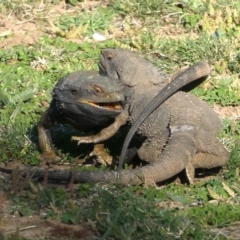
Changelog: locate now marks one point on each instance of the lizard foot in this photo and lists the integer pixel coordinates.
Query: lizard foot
(190, 171)
(102, 156)
(49, 158)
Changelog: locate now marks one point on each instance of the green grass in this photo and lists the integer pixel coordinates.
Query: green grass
(85, 23)
(29, 73)
(136, 212)
(218, 18)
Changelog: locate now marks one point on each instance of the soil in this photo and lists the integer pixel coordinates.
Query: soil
(34, 21)
(230, 112)
(33, 227)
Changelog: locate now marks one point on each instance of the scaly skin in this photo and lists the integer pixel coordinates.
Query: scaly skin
(84, 100)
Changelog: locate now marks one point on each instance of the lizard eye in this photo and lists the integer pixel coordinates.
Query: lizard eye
(109, 57)
(97, 90)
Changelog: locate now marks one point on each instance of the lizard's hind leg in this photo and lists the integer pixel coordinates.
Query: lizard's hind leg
(215, 155)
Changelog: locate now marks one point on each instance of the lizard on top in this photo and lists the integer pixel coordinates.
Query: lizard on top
(180, 134)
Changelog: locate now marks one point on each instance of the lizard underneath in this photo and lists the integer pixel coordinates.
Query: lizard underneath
(86, 101)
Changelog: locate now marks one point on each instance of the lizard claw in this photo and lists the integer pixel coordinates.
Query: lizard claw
(82, 139)
(102, 156)
(75, 138)
(78, 139)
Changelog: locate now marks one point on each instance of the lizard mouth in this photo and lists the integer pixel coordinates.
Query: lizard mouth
(116, 106)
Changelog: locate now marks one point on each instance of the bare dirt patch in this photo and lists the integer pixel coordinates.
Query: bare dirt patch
(34, 21)
(230, 112)
(14, 32)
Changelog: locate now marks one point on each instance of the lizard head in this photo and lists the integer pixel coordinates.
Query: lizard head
(119, 65)
(86, 92)
(128, 68)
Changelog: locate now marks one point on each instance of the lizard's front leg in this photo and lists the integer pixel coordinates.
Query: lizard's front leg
(105, 133)
(102, 156)
(45, 140)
